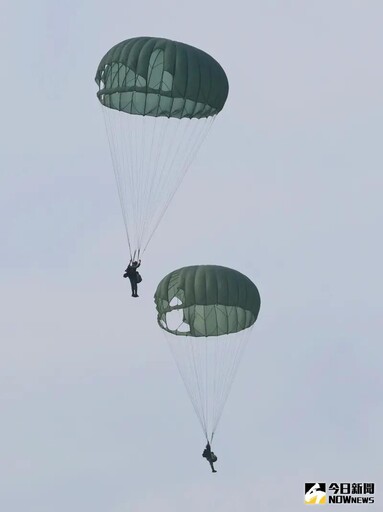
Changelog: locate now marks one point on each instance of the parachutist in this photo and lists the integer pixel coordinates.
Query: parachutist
(210, 457)
(134, 276)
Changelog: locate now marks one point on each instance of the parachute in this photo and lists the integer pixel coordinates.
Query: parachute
(207, 313)
(159, 98)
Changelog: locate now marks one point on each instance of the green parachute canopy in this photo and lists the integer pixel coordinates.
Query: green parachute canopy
(206, 313)
(159, 99)
(214, 301)
(157, 77)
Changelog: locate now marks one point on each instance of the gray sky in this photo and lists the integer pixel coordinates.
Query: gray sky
(93, 413)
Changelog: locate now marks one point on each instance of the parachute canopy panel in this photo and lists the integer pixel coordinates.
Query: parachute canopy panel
(158, 77)
(214, 301)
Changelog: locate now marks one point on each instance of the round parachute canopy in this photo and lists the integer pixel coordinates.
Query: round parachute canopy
(152, 76)
(159, 99)
(214, 300)
(206, 313)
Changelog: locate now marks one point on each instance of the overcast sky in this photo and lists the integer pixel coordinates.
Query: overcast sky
(287, 189)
